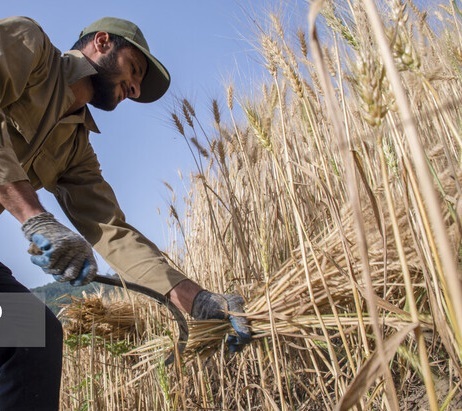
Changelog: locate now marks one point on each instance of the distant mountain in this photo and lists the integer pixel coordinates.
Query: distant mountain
(56, 295)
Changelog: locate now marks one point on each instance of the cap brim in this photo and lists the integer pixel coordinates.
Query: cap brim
(156, 80)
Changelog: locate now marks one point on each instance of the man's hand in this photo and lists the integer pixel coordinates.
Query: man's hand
(62, 253)
(208, 306)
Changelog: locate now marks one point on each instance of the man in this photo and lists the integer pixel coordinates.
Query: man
(44, 142)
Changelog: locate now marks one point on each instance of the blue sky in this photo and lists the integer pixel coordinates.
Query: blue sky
(205, 44)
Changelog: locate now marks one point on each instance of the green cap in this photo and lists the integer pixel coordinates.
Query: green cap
(157, 79)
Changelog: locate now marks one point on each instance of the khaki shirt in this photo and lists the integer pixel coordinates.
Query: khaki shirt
(39, 144)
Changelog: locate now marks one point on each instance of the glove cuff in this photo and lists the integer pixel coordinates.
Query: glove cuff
(207, 305)
(37, 221)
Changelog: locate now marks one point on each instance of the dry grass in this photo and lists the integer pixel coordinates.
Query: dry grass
(332, 203)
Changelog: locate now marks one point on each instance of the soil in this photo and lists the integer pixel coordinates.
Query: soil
(418, 400)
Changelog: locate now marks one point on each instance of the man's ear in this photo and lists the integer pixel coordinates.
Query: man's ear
(102, 42)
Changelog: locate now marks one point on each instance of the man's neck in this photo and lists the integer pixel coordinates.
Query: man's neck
(83, 92)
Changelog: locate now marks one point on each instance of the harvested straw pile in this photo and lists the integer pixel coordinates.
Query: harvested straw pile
(120, 316)
(103, 317)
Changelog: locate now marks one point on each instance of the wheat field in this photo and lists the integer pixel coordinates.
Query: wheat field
(330, 199)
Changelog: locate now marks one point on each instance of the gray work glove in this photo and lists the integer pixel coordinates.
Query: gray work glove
(59, 251)
(207, 306)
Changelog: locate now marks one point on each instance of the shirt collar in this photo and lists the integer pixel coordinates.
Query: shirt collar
(89, 121)
(76, 66)
(82, 116)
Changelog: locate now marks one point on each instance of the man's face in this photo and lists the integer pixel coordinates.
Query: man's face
(119, 77)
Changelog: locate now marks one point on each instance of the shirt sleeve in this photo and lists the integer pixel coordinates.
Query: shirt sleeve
(21, 42)
(91, 205)
(10, 169)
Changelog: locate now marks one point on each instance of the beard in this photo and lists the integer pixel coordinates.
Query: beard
(104, 85)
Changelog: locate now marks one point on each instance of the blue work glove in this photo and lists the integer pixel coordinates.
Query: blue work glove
(207, 306)
(59, 251)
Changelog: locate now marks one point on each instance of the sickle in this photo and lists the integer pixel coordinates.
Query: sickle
(161, 299)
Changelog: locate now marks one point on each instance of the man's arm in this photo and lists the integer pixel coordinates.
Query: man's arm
(21, 41)
(91, 205)
(21, 200)
(184, 294)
